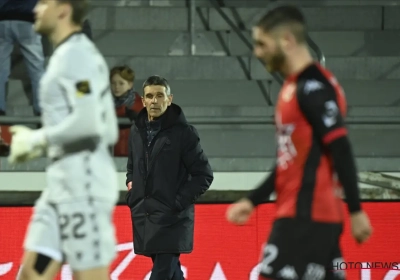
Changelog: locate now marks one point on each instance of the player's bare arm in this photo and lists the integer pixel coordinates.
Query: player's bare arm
(239, 212)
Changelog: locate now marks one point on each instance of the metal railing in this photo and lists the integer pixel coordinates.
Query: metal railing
(192, 15)
(239, 32)
(259, 120)
(277, 77)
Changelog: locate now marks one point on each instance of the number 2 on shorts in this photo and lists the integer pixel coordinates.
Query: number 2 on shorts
(270, 254)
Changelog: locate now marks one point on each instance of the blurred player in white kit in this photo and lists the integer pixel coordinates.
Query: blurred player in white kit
(72, 219)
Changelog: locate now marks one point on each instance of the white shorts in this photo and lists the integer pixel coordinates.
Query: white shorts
(80, 233)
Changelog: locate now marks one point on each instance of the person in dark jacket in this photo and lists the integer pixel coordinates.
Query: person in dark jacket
(167, 171)
(16, 25)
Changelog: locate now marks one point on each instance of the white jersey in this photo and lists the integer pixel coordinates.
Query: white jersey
(79, 121)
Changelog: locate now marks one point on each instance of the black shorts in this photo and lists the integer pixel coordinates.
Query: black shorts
(303, 250)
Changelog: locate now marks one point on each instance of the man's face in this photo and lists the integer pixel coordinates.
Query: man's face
(119, 85)
(268, 48)
(156, 100)
(47, 13)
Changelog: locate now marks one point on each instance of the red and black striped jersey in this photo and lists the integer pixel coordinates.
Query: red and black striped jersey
(309, 115)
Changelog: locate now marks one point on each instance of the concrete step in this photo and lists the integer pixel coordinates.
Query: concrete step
(238, 141)
(351, 68)
(206, 93)
(242, 92)
(239, 3)
(246, 109)
(348, 18)
(231, 68)
(164, 43)
(256, 141)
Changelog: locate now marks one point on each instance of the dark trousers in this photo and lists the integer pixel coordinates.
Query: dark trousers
(166, 267)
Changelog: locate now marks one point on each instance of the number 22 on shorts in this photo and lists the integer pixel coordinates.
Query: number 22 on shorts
(76, 221)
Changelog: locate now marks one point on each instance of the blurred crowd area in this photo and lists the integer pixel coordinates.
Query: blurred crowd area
(16, 31)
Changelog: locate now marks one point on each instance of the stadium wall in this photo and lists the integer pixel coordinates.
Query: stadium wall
(222, 251)
(223, 181)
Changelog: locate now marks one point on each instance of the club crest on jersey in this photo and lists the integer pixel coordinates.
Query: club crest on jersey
(288, 92)
(312, 85)
(286, 148)
(83, 88)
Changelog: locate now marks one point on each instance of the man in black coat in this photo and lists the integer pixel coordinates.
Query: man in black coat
(167, 171)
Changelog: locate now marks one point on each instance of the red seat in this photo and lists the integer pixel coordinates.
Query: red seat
(121, 148)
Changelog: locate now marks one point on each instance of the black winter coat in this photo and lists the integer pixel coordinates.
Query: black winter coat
(167, 177)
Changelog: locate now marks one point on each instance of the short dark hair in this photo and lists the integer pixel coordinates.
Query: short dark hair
(80, 9)
(289, 16)
(124, 71)
(157, 81)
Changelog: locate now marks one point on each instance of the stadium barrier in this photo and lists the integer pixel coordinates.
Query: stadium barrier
(221, 251)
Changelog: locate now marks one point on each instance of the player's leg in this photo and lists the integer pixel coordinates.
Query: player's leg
(32, 50)
(89, 238)
(42, 258)
(297, 249)
(98, 273)
(322, 249)
(333, 271)
(38, 266)
(6, 48)
(335, 274)
(277, 257)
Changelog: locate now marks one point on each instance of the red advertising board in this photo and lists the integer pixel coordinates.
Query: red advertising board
(222, 251)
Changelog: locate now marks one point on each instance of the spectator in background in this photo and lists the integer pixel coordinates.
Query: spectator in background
(127, 103)
(16, 26)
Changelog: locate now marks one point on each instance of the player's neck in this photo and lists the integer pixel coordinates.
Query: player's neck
(59, 35)
(299, 60)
